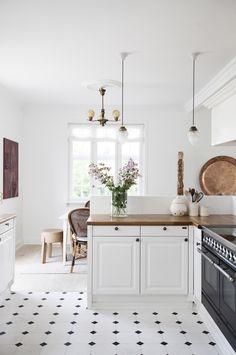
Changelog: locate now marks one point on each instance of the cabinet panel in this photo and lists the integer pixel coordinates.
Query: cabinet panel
(164, 265)
(116, 265)
(161, 231)
(6, 226)
(197, 265)
(116, 231)
(6, 259)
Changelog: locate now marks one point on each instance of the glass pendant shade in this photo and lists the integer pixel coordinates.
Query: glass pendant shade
(193, 135)
(123, 133)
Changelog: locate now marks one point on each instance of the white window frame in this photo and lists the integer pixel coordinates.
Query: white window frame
(93, 157)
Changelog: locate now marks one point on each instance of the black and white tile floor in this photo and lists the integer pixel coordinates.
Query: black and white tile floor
(59, 323)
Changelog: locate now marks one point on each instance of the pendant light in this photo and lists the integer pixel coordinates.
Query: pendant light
(193, 132)
(123, 133)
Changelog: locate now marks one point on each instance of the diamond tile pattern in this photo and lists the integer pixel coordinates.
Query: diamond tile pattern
(57, 329)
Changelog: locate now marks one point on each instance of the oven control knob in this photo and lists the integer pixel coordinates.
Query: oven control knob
(230, 256)
(234, 258)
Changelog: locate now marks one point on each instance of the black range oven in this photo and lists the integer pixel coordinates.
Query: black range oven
(219, 278)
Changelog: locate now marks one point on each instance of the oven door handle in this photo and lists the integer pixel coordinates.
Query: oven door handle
(231, 279)
(205, 257)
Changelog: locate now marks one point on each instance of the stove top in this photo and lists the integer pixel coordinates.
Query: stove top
(227, 233)
(223, 241)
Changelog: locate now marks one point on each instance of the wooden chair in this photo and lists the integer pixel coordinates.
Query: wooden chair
(78, 226)
(87, 204)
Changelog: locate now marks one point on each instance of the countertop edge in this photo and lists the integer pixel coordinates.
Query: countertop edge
(6, 217)
(158, 219)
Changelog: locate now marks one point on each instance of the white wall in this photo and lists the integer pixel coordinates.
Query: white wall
(10, 127)
(161, 204)
(45, 157)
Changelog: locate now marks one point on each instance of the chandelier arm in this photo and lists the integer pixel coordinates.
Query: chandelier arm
(103, 105)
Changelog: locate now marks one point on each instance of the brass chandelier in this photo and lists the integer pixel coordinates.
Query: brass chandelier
(102, 118)
(122, 132)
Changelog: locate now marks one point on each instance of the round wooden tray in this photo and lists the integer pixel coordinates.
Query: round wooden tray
(218, 176)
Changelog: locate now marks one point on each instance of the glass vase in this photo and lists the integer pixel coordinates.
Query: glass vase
(119, 203)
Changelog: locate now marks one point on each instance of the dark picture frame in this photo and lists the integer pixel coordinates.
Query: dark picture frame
(10, 169)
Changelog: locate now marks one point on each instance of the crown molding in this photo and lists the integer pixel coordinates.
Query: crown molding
(221, 87)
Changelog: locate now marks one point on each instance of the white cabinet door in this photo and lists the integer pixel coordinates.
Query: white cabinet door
(164, 265)
(6, 259)
(197, 265)
(116, 265)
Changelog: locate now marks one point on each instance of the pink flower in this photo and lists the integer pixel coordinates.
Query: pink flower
(127, 176)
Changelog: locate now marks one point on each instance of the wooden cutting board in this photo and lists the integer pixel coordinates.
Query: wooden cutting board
(218, 176)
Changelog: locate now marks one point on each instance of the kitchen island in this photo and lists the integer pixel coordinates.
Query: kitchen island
(144, 259)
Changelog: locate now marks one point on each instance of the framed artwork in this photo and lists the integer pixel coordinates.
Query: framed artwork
(10, 169)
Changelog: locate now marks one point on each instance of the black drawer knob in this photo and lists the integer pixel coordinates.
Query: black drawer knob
(198, 243)
(116, 228)
(137, 239)
(164, 228)
(186, 239)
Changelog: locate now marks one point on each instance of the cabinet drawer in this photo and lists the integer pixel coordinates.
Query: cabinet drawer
(6, 226)
(168, 231)
(116, 231)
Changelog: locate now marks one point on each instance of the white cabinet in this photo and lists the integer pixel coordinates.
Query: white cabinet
(139, 260)
(116, 231)
(7, 254)
(197, 265)
(116, 265)
(164, 265)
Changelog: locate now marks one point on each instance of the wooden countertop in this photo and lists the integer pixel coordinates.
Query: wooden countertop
(5, 217)
(161, 219)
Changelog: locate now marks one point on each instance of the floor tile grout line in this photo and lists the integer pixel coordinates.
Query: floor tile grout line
(186, 339)
(37, 298)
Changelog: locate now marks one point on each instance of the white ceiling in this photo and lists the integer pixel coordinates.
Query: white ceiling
(48, 48)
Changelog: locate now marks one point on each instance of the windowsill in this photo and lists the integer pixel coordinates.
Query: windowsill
(78, 202)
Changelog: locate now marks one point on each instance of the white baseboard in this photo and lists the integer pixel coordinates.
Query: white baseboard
(29, 242)
(216, 333)
(19, 245)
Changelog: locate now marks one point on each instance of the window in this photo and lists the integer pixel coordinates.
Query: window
(100, 144)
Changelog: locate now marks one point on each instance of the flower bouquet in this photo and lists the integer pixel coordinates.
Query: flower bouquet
(127, 177)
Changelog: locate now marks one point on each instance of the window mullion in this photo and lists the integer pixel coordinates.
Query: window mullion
(94, 160)
(118, 157)
(93, 141)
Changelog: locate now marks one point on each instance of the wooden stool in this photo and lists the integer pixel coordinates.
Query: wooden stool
(49, 236)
